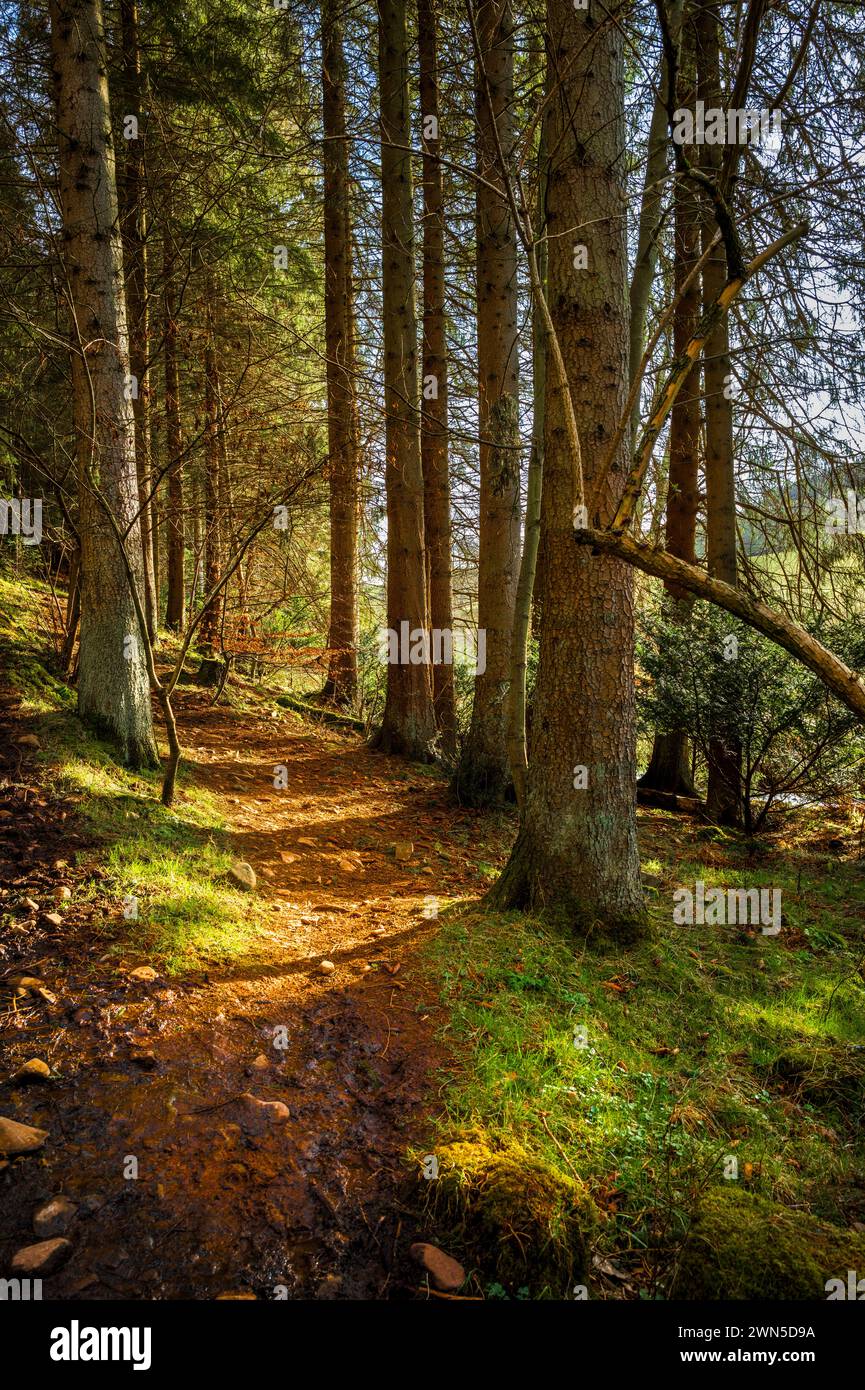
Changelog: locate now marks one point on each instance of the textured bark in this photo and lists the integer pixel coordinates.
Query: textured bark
(669, 768)
(408, 726)
(175, 613)
(210, 622)
(113, 689)
(724, 795)
(517, 749)
(483, 776)
(133, 223)
(651, 211)
(434, 439)
(343, 427)
(577, 848)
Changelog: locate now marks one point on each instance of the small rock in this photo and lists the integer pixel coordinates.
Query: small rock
(260, 1062)
(20, 1139)
(243, 873)
(33, 1072)
(327, 967)
(54, 1217)
(402, 850)
(41, 1259)
(28, 741)
(62, 894)
(143, 972)
(444, 1272)
(142, 1058)
(257, 1114)
(53, 919)
(310, 844)
(29, 904)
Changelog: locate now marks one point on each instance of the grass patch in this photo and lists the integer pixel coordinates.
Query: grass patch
(173, 862)
(643, 1072)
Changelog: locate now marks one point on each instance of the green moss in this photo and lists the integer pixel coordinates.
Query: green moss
(523, 1221)
(827, 1077)
(742, 1246)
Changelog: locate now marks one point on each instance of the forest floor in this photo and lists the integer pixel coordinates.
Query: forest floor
(244, 1083)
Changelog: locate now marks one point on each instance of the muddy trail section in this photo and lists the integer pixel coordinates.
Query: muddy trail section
(240, 1131)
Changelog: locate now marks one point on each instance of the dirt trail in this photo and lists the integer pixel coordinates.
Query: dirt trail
(229, 1200)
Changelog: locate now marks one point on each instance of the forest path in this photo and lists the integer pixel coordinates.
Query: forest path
(233, 1199)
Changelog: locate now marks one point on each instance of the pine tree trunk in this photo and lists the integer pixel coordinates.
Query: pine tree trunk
(175, 613)
(483, 777)
(518, 751)
(576, 851)
(669, 769)
(343, 427)
(434, 439)
(133, 222)
(113, 687)
(210, 622)
(408, 726)
(724, 791)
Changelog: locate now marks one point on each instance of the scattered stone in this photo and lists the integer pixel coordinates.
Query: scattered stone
(29, 904)
(257, 1115)
(260, 1062)
(62, 894)
(20, 1139)
(402, 850)
(310, 844)
(143, 972)
(54, 1217)
(28, 741)
(53, 919)
(380, 931)
(327, 967)
(42, 1259)
(444, 1272)
(142, 1058)
(33, 1072)
(243, 873)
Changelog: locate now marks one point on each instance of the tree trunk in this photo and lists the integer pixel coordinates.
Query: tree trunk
(433, 438)
(576, 850)
(669, 769)
(343, 426)
(408, 726)
(483, 776)
(133, 222)
(723, 798)
(518, 752)
(210, 622)
(175, 614)
(113, 687)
